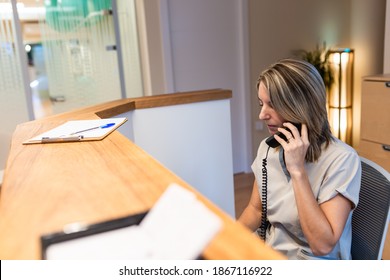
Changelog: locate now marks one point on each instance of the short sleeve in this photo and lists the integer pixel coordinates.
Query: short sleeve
(342, 177)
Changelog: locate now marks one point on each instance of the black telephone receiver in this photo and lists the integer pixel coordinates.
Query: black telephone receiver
(271, 141)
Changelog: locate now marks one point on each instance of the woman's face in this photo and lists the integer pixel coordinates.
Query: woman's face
(267, 114)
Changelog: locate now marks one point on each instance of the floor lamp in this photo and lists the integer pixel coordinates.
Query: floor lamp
(341, 93)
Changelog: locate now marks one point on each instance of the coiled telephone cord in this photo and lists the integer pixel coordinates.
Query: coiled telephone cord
(264, 221)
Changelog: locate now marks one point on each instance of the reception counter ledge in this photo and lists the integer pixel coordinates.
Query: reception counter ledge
(47, 186)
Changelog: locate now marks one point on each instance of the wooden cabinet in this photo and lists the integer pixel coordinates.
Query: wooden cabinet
(375, 120)
(375, 127)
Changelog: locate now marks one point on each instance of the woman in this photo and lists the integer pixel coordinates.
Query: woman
(312, 178)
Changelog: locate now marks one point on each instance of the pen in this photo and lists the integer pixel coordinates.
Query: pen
(61, 139)
(92, 128)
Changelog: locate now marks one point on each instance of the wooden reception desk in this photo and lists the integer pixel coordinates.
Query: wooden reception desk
(47, 186)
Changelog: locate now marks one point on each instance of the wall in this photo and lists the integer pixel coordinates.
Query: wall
(206, 43)
(149, 24)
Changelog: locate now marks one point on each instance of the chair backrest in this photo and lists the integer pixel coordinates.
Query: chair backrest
(370, 218)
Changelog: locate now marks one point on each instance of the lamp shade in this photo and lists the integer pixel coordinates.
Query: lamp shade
(340, 96)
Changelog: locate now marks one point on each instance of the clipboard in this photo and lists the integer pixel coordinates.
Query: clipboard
(49, 242)
(78, 130)
(81, 231)
(178, 226)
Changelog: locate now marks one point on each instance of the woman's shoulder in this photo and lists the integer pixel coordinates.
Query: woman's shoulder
(339, 149)
(337, 144)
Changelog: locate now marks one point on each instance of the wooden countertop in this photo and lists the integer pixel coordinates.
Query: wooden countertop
(47, 186)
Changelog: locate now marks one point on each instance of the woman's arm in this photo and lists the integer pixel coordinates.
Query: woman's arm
(251, 216)
(322, 224)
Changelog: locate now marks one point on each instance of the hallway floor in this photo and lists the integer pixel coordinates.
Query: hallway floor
(243, 183)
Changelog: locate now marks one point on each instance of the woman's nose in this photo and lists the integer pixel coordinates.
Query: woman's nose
(263, 115)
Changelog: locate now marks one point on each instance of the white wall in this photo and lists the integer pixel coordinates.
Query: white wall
(205, 46)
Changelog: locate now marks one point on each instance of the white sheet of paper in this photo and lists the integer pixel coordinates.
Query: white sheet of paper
(179, 225)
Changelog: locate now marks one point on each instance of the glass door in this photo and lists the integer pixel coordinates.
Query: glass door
(80, 53)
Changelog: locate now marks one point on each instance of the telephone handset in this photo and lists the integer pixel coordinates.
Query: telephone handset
(271, 141)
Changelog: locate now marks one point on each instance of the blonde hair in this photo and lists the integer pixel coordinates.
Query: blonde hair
(297, 93)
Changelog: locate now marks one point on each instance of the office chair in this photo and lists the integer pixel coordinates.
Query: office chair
(370, 218)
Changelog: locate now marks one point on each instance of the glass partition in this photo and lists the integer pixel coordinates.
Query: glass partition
(13, 102)
(81, 61)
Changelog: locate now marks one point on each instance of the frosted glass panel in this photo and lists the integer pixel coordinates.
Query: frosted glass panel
(76, 37)
(13, 105)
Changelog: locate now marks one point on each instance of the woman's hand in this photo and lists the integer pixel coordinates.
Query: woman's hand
(295, 147)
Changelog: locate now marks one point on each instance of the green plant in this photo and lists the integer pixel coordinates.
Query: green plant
(319, 57)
